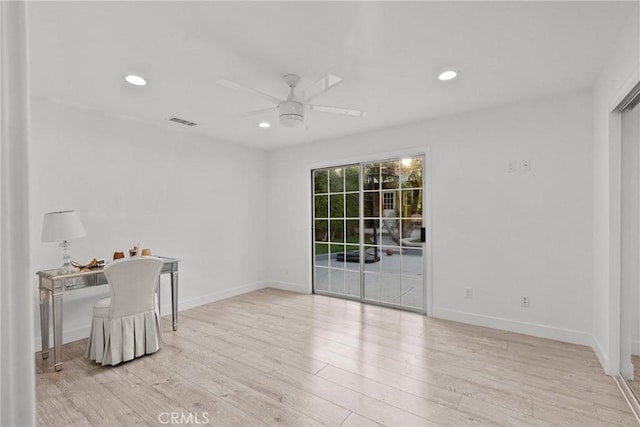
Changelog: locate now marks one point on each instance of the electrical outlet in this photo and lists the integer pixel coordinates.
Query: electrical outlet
(512, 166)
(468, 293)
(526, 165)
(524, 301)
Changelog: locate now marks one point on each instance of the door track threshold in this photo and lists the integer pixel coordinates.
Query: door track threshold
(629, 395)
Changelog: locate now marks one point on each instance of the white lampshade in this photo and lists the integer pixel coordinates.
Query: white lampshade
(61, 226)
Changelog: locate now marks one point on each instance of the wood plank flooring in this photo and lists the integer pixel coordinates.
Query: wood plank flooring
(272, 358)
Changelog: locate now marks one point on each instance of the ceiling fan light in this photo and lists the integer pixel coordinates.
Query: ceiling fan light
(291, 114)
(291, 120)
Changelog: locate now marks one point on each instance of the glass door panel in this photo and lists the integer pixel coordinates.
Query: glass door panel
(336, 281)
(412, 289)
(352, 178)
(321, 248)
(337, 222)
(336, 180)
(372, 286)
(367, 223)
(390, 289)
(321, 279)
(352, 283)
(388, 177)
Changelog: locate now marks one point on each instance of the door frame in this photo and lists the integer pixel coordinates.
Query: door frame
(629, 165)
(424, 151)
(611, 359)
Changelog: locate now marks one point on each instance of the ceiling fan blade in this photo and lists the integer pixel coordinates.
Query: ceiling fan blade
(338, 110)
(321, 86)
(236, 86)
(256, 112)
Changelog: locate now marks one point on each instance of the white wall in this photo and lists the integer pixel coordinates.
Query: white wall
(621, 68)
(502, 234)
(17, 376)
(179, 194)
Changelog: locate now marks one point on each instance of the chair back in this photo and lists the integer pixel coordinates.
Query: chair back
(133, 282)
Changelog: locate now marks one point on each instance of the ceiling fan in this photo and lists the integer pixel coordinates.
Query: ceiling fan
(291, 110)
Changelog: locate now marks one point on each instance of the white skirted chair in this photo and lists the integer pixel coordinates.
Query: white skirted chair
(126, 324)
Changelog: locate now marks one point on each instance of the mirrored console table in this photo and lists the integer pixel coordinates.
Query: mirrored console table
(53, 285)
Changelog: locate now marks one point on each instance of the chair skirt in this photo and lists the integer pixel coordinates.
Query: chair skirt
(112, 341)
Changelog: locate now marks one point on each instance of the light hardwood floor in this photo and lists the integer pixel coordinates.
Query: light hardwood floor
(279, 358)
(635, 384)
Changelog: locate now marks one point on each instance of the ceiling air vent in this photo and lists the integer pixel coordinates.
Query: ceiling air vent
(182, 121)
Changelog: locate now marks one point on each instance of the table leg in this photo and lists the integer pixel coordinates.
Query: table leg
(174, 299)
(57, 330)
(44, 320)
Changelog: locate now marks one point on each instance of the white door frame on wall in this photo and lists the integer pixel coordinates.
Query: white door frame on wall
(615, 212)
(426, 202)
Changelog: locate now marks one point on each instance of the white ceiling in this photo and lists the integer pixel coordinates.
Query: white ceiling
(388, 53)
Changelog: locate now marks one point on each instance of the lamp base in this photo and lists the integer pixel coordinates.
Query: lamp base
(66, 268)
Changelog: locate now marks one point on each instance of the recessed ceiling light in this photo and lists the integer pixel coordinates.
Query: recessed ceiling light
(448, 75)
(135, 80)
(264, 125)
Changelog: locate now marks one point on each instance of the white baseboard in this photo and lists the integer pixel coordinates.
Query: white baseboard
(604, 360)
(216, 296)
(601, 355)
(542, 331)
(80, 332)
(68, 335)
(292, 287)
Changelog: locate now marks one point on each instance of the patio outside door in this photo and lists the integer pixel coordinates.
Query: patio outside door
(368, 219)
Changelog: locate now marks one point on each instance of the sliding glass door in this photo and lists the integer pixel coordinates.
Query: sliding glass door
(337, 230)
(368, 235)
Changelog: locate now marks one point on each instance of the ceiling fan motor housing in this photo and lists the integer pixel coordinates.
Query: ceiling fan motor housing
(291, 113)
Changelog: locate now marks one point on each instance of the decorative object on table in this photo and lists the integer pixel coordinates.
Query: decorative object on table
(146, 252)
(61, 226)
(118, 255)
(94, 264)
(133, 251)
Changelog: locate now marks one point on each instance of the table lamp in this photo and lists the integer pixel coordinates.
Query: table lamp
(60, 227)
